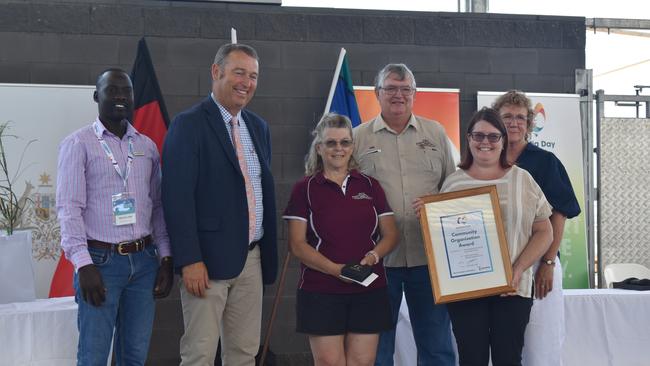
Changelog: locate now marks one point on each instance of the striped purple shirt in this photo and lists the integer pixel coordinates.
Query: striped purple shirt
(86, 182)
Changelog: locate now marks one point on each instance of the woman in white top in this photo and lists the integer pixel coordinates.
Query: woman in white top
(495, 325)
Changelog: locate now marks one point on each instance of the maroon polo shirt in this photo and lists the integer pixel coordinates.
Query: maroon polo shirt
(341, 226)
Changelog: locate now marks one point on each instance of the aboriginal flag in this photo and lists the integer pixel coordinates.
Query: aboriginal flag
(149, 112)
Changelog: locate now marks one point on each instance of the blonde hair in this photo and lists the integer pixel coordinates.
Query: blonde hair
(313, 161)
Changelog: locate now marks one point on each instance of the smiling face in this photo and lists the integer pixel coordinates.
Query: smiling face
(336, 149)
(114, 97)
(397, 106)
(485, 153)
(235, 83)
(516, 120)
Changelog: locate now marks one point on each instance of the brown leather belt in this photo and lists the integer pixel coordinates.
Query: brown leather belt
(125, 247)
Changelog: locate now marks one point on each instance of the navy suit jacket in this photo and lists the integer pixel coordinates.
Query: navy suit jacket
(204, 195)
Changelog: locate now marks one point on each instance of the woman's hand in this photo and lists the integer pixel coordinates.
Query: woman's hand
(543, 280)
(538, 243)
(337, 272)
(370, 259)
(417, 205)
(517, 271)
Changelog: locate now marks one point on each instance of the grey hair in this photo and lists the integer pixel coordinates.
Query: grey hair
(400, 70)
(517, 98)
(313, 161)
(228, 48)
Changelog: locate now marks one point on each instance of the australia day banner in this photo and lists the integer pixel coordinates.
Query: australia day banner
(557, 129)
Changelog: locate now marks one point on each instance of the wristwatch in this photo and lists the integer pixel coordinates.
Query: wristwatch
(550, 262)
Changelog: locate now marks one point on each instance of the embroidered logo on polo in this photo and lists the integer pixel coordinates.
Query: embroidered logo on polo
(426, 144)
(361, 196)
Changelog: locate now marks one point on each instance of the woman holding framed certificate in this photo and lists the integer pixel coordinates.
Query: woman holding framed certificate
(340, 224)
(496, 324)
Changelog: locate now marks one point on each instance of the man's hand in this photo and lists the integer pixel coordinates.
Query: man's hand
(92, 285)
(195, 278)
(164, 278)
(543, 280)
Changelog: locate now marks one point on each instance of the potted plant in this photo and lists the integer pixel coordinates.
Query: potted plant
(16, 270)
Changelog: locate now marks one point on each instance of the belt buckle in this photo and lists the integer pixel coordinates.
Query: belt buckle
(122, 245)
(139, 245)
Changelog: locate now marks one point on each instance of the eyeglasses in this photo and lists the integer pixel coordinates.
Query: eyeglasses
(480, 136)
(392, 90)
(509, 118)
(331, 144)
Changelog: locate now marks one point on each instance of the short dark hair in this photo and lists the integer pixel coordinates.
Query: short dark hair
(110, 69)
(492, 117)
(228, 48)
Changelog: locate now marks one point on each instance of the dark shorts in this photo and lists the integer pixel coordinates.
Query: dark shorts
(337, 314)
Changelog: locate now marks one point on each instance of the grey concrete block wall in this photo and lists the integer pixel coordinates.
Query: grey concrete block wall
(71, 41)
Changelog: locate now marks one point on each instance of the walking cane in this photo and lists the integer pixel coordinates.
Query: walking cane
(276, 302)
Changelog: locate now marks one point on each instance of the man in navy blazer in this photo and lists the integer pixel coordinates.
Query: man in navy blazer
(219, 203)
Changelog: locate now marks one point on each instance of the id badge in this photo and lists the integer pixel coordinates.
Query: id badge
(123, 209)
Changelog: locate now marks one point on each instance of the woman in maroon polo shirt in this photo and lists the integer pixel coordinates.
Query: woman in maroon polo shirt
(337, 216)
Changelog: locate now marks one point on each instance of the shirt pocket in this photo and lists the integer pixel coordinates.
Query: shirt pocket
(430, 168)
(369, 161)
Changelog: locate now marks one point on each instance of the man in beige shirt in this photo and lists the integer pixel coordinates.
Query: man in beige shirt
(411, 157)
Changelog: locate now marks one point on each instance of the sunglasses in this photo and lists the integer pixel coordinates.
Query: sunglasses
(480, 136)
(331, 144)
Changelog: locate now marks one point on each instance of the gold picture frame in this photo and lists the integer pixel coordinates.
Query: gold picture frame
(465, 243)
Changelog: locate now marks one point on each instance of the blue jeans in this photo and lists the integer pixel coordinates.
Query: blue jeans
(430, 322)
(129, 309)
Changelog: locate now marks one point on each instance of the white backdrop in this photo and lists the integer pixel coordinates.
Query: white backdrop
(46, 114)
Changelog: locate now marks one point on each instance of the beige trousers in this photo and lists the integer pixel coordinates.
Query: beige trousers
(232, 310)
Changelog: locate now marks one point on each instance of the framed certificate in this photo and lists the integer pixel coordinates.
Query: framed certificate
(465, 243)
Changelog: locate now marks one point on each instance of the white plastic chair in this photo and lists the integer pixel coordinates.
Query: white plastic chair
(620, 271)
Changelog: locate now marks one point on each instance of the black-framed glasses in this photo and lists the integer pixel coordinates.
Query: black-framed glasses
(331, 144)
(480, 136)
(392, 90)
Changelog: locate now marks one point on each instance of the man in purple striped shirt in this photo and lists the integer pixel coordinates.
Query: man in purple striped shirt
(112, 227)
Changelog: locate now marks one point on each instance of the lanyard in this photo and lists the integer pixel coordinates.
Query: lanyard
(109, 153)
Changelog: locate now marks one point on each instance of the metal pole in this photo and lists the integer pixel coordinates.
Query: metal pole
(636, 104)
(584, 87)
(600, 110)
